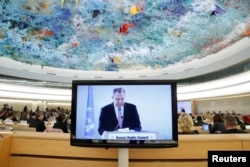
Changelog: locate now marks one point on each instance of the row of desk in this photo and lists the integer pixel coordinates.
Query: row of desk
(29, 149)
(8, 128)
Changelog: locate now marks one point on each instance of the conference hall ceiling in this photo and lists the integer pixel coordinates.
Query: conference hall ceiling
(119, 35)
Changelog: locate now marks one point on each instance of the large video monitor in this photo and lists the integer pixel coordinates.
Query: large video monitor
(184, 105)
(124, 114)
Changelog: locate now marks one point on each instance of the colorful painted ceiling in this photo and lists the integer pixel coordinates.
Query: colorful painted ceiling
(113, 35)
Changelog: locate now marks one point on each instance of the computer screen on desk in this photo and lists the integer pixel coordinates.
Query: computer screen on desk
(124, 113)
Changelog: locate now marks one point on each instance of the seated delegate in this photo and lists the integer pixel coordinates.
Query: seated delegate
(185, 125)
(231, 125)
(217, 125)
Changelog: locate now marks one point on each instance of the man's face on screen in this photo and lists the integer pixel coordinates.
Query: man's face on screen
(119, 99)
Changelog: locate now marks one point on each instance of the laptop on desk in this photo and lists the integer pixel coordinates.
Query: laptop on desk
(205, 128)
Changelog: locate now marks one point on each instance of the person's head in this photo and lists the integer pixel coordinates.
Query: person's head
(185, 123)
(25, 109)
(60, 118)
(33, 115)
(218, 118)
(10, 114)
(230, 122)
(183, 110)
(39, 115)
(199, 119)
(24, 115)
(118, 97)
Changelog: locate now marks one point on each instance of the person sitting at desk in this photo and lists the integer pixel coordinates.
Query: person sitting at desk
(186, 124)
(38, 122)
(231, 125)
(61, 123)
(199, 121)
(119, 114)
(10, 117)
(31, 117)
(217, 125)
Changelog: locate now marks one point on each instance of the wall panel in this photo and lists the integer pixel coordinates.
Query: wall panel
(240, 104)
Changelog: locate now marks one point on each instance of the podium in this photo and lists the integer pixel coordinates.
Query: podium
(126, 137)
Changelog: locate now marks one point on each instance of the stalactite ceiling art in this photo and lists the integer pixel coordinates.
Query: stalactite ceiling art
(113, 35)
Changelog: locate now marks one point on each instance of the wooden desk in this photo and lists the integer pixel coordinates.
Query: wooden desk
(29, 149)
(16, 127)
(5, 142)
(23, 128)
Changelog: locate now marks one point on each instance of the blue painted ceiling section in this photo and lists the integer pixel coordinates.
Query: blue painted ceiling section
(113, 35)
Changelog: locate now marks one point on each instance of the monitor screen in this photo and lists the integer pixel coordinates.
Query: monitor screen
(124, 114)
(205, 127)
(184, 106)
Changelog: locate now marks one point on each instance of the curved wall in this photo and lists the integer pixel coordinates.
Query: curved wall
(235, 85)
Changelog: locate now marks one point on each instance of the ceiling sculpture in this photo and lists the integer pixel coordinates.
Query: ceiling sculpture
(114, 35)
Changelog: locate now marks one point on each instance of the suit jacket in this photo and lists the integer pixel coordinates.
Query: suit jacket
(108, 120)
(218, 127)
(61, 125)
(38, 124)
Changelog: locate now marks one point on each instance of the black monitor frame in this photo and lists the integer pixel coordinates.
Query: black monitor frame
(104, 143)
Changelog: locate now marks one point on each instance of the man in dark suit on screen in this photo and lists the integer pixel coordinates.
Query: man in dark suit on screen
(119, 114)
